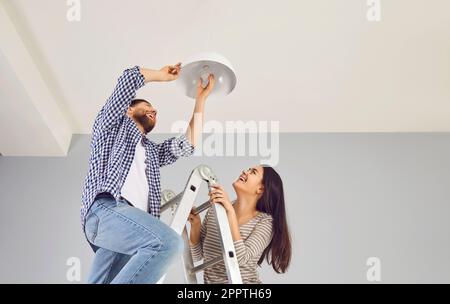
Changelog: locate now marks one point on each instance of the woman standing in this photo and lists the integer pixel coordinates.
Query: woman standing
(258, 225)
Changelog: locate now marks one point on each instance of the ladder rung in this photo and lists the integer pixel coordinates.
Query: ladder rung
(172, 201)
(206, 205)
(202, 207)
(176, 199)
(206, 264)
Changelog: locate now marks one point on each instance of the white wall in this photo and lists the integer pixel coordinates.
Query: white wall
(349, 197)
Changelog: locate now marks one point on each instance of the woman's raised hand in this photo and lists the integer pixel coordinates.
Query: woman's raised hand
(218, 195)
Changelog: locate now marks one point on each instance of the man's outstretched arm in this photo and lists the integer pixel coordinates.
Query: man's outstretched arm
(195, 125)
(167, 73)
(119, 101)
(171, 149)
(128, 83)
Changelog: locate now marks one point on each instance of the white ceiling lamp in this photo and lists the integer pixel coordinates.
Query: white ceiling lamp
(200, 66)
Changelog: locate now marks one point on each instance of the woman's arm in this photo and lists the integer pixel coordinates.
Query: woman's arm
(197, 235)
(256, 243)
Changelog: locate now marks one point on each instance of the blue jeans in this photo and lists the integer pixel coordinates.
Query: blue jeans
(131, 246)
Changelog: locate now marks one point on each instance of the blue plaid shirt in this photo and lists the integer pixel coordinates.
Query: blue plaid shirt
(114, 139)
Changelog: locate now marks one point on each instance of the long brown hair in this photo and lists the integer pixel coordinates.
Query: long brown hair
(278, 252)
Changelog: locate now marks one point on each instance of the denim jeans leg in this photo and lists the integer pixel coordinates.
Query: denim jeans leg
(107, 264)
(120, 228)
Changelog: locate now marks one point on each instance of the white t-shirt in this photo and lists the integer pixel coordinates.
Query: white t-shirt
(135, 188)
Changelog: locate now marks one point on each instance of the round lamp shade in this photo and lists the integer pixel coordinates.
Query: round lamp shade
(200, 66)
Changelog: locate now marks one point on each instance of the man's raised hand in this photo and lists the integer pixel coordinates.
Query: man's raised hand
(170, 72)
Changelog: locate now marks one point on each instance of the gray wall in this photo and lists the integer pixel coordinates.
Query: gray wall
(349, 197)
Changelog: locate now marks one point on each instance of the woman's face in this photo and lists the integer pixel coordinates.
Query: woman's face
(250, 181)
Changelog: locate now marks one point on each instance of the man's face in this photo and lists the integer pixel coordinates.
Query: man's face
(144, 114)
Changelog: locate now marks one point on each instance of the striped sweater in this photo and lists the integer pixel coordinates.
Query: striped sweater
(256, 235)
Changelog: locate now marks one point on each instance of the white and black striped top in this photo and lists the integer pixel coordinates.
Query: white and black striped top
(256, 235)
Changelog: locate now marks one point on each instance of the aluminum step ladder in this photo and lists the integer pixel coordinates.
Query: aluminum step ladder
(181, 206)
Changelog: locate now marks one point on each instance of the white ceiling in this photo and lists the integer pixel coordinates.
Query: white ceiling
(314, 66)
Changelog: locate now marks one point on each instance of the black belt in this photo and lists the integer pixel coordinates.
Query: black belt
(104, 194)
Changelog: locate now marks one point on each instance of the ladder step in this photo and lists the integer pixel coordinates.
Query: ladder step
(181, 205)
(176, 199)
(206, 264)
(202, 207)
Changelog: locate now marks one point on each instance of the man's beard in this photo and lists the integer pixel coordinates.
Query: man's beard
(145, 122)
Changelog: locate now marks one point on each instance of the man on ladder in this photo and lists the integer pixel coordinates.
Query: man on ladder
(132, 245)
